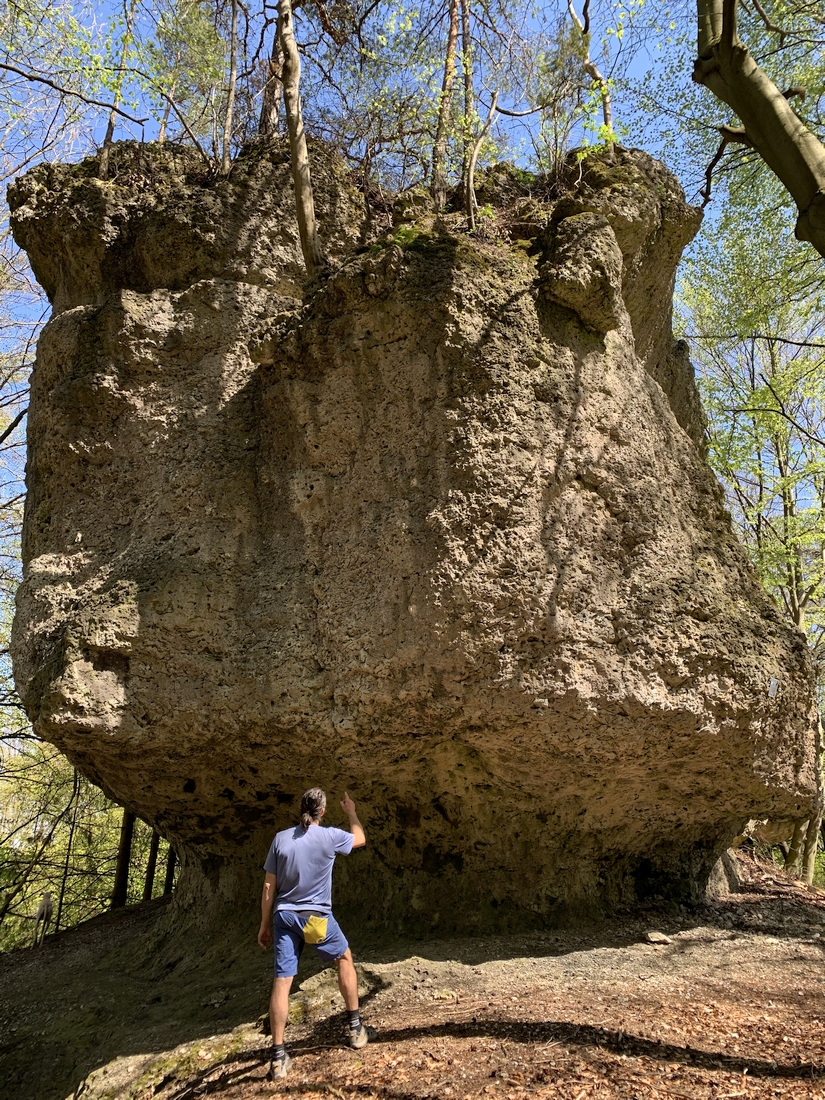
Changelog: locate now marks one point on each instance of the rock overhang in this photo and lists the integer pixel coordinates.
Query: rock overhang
(435, 534)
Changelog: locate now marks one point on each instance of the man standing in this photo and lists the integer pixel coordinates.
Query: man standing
(299, 875)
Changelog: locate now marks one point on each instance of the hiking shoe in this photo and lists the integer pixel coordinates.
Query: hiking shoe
(279, 1068)
(360, 1036)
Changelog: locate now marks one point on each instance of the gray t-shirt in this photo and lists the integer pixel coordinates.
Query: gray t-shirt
(301, 861)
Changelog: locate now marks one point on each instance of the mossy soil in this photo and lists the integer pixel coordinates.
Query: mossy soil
(122, 1007)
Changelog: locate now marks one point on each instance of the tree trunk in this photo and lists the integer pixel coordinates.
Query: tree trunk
(810, 847)
(226, 158)
(469, 101)
(273, 91)
(815, 825)
(169, 880)
(103, 167)
(770, 125)
(793, 860)
(299, 154)
(124, 856)
(149, 881)
(438, 187)
(167, 110)
(65, 878)
(470, 184)
(593, 72)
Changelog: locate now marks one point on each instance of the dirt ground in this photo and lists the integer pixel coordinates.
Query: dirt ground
(732, 1006)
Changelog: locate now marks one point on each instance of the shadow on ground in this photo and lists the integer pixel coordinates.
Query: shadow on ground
(126, 984)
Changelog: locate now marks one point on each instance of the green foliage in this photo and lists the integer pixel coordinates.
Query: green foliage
(58, 833)
(405, 235)
(186, 59)
(561, 85)
(754, 314)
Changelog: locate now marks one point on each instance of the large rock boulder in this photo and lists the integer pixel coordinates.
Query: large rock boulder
(440, 534)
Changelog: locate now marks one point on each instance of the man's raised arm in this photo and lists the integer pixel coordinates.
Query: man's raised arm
(355, 826)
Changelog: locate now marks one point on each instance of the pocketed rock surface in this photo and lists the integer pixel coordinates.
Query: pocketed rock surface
(439, 533)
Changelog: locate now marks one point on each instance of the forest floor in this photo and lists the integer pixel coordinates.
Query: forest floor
(732, 1006)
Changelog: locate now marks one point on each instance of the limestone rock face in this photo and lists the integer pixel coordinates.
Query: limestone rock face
(436, 535)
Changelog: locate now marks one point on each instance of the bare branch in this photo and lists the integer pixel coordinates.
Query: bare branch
(771, 26)
(175, 108)
(13, 424)
(781, 411)
(586, 17)
(706, 190)
(37, 79)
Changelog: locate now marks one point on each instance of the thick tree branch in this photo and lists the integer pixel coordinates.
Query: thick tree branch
(590, 67)
(730, 36)
(735, 134)
(795, 155)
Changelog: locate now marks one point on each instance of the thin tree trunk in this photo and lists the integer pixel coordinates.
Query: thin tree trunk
(810, 847)
(167, 110)
(226, 159)
(164, 122)
(592, 70)
(103, 168)
(299, 154)
(469, 96)
(470, 197)
(124, 856)
(273, 91)
(815, 824)
(76, 800)
(438, 187)
(793, 860)
(169, 880)
(770, 125)
(149, 881)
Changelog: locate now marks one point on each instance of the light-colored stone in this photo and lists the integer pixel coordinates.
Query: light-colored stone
(724, 878)
(657, 937)
(429, 537)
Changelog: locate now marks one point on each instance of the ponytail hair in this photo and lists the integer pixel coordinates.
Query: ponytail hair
(313, 804)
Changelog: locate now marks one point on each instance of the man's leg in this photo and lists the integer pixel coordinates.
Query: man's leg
(359, 1033)
(348, 981)
(279, 1008)
(288, 944)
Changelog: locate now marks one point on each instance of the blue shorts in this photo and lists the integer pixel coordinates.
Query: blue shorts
(292, 930)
